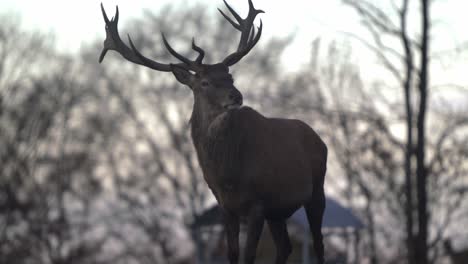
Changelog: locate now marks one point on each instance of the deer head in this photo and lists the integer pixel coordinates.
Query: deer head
(212, 85)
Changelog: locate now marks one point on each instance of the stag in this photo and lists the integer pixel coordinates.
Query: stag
(258, 168)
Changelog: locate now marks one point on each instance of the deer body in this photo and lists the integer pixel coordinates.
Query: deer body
(258, 168)
(271, 155)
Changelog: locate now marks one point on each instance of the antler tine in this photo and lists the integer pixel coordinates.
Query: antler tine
(248, 37)
(116, 17)
(175, 53)
(104, 15)
(253, 40)
(251, 34)
(234, 24)
(114, 42)
(201, 52)
(233, 12)
(147, 61)
(194, 65)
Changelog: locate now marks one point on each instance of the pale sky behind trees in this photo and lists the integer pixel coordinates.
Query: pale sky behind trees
(75, 23)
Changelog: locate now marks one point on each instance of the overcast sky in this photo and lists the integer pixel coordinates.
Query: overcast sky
(77, 22)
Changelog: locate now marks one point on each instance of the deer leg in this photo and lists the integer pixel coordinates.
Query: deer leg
(255, 222)
(315, 209)
(231, 223)
(280, 236)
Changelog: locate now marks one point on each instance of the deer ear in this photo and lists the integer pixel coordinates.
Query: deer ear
(182, 75)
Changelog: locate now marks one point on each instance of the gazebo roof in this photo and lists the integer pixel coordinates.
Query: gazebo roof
(335, 216)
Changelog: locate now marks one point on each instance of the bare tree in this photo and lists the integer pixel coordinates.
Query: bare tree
(417, 148)
(49, 141)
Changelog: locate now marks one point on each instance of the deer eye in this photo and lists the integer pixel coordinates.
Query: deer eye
(205, 83)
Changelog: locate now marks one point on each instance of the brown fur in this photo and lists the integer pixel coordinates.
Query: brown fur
(253, 158)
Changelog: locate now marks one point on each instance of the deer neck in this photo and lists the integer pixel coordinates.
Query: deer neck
(217, 143)
(206, 121)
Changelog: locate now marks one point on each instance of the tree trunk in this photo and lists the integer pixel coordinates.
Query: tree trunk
(408, 79)
(421, 172)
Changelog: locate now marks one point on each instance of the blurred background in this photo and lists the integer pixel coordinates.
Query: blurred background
(96, 161)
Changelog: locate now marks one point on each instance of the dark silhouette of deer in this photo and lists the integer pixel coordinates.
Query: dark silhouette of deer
(258, 168)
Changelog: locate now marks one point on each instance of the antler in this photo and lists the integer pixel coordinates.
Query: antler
(248, 37)
(114, 42)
